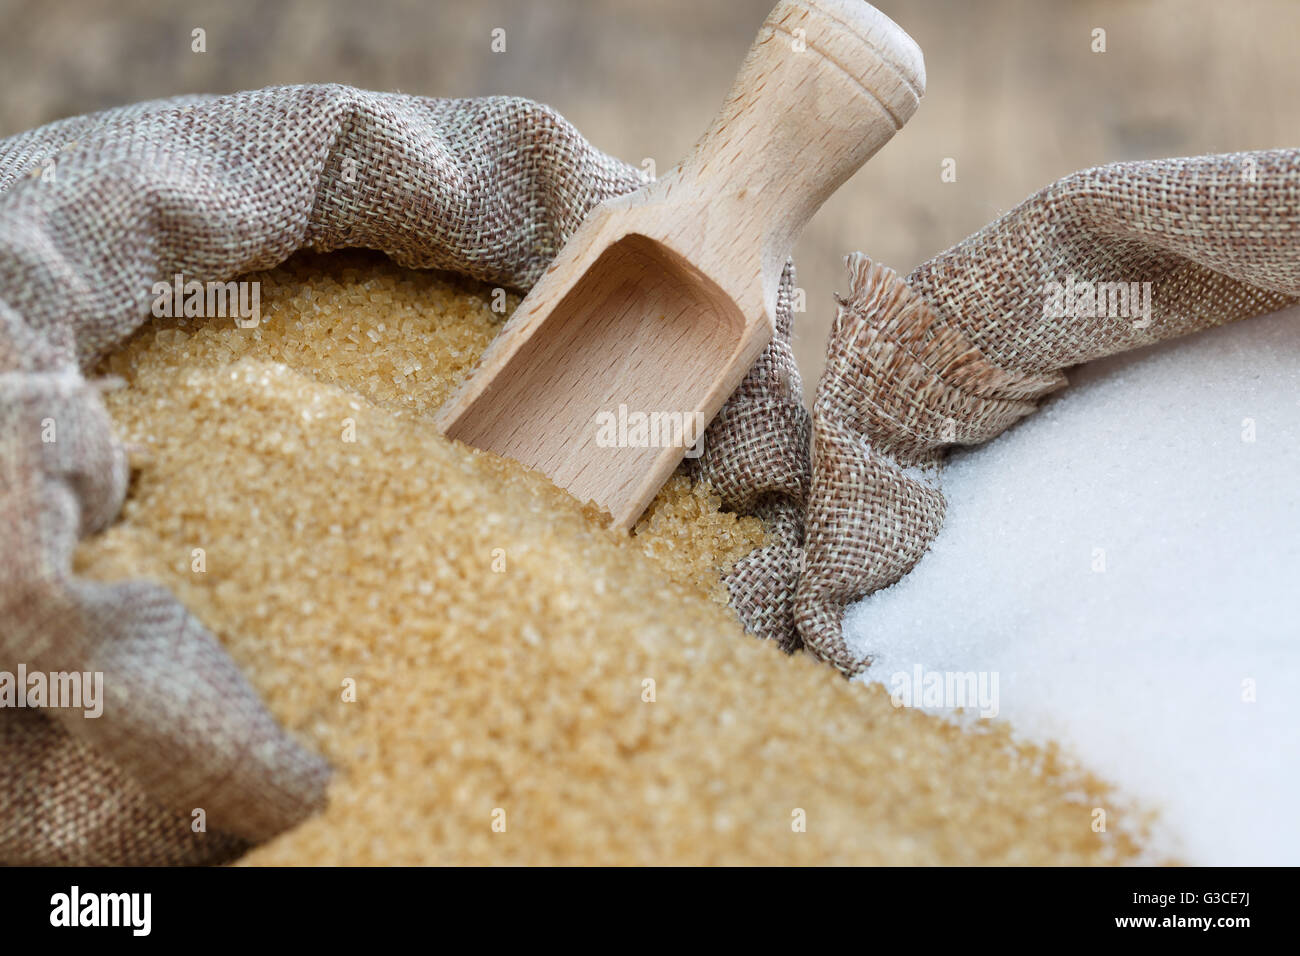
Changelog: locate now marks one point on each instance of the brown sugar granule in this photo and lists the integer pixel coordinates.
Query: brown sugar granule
(529, 686)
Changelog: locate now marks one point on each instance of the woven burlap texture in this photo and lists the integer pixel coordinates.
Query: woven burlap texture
(976, 336)
(95, 210)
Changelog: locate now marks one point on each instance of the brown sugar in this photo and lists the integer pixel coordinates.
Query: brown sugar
(495, 676)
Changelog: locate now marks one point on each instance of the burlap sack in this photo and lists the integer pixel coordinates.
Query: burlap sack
(95, 210)
(975, 336)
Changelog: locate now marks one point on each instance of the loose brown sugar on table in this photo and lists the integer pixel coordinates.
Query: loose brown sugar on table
(501, 640)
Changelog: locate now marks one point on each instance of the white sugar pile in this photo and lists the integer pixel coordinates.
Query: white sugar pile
(1126, 562)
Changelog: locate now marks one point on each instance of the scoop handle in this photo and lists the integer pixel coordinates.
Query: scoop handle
(825, 85)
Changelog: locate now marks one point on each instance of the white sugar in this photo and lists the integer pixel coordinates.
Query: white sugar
(1126, 562)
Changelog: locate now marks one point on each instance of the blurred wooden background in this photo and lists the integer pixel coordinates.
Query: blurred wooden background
(1016, 96)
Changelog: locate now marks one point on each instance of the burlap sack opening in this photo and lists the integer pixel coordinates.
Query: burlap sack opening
(977, 335)
(95, 210)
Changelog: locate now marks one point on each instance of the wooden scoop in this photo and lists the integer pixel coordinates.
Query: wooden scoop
(664, 298)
